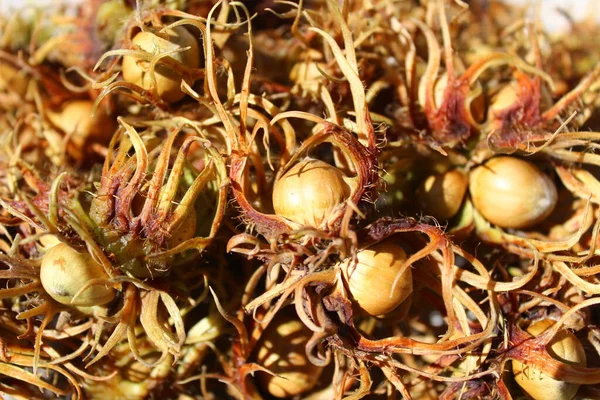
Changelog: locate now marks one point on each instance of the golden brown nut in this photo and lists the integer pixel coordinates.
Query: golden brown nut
(307, 74)
(512, 193)
(506, 98)
(75, 119)
(371, 280)
(282, 351)
(441, 195)
(564, 347)
(438, 92)
(309, 191)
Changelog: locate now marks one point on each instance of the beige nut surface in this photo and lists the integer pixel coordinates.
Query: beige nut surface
(75, 120)
(441, 195)
(65, 271)
(168, 81)
(282, 351)
(309, 191)
(371, 280)
(564, 347)
(512, 193)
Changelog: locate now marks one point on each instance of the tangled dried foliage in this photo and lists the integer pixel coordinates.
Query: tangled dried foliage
(315, 199)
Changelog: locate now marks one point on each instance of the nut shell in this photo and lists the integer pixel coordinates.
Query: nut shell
(370, 281)
(64, 271)
(506, 98)
(282, 351)
(565, 347)
(168, 81)
(309, 191)
(441, 195)
(75, 119)
(512, 193)
(307, 74)
(439, 89)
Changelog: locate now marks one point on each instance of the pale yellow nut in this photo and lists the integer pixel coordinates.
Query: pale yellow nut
(282, 351)
(309, 191)
(307, 73)
(441, 195)
(47, 241)
(75, 120)
(439, 89)
(564, 347)
(371, 280)
(512, 193)
(506, 98)
(468, 362)
(65, 271)
(168, 81)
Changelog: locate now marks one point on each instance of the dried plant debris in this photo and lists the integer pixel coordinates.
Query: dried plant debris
(309, 199)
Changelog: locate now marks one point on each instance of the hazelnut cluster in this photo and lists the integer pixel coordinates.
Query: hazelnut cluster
(211, 199)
